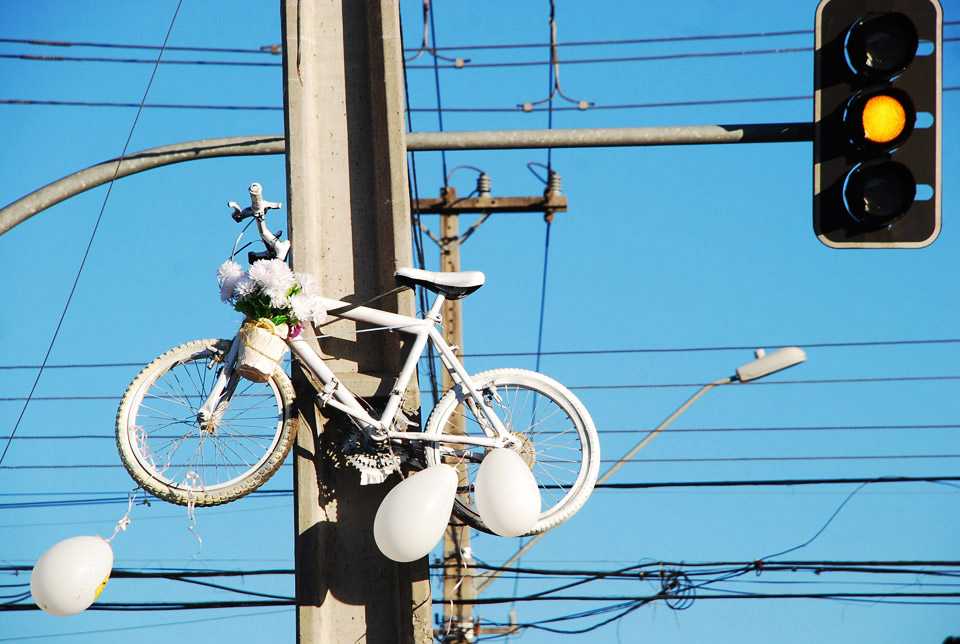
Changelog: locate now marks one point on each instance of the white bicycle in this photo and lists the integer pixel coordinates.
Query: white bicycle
(192, 431)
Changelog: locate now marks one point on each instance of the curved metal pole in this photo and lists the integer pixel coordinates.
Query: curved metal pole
(74, 184)
(53, 193)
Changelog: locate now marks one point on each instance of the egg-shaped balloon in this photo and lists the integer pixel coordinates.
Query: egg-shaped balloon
(412, 517)
(71, 574)
(506, 493)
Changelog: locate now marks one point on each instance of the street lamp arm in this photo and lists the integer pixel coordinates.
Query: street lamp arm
(764, 365)
(659, 428)
(96, 175)
(488, 578)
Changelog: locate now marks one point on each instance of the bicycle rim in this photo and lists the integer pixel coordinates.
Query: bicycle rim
(186, 462)
(557, 441)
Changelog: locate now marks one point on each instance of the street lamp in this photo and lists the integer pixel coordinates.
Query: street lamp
(764, 365)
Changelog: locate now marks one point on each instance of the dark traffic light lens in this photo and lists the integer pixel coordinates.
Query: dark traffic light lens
(879, 194)
(882, 45)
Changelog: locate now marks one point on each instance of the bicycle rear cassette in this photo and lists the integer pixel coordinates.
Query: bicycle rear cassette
(375, 460)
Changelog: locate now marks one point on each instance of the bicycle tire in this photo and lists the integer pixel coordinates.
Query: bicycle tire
(559, 444)
(164, 448)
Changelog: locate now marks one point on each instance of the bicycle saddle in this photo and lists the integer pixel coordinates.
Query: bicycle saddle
(453, 286)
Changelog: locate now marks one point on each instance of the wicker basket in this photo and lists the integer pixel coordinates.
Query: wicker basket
(261, 350)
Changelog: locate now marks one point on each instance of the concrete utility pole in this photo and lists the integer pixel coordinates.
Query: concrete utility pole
(348, 211)
(459, 624)
(457, 575)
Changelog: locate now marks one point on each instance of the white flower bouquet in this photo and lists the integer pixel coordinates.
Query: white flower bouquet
(271, 291)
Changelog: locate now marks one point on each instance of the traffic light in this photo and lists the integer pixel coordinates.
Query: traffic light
(876, 150)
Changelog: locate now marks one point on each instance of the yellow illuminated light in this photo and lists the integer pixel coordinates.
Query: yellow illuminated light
(883, 119)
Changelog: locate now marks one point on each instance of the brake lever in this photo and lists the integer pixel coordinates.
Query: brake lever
(239, 214)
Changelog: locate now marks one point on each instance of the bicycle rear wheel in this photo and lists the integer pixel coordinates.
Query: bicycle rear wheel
(167, 451)
(558, 441)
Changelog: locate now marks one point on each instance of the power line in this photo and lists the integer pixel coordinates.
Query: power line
(878, 566)
(462, 110)
(604, 431)
(173, 106)
(648, 571)
(638, 41)
(820, 381)
(275, 49)
(96, 226)
(780, 482)
(809, 345)
(874, 597)
(811, 428)
(625, 59)
(635, 461)
(879, 597)
(270, 49)
(178, 623)
(592, 352)
(116, 498)
(136, 61)
(435, 66)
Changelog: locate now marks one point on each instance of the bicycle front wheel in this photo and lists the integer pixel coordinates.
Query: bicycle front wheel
(557, 440)
(173, 456)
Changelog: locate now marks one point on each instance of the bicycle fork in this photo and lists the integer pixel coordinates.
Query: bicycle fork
(210, 412)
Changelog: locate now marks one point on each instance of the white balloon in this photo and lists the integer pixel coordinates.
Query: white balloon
(412, 517)
(71, 574)
(506, 493)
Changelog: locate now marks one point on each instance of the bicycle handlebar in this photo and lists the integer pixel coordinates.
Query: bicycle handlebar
(258, 205)
(256, 198)
(258, 208)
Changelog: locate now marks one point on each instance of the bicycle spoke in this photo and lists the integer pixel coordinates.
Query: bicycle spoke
(242, 432)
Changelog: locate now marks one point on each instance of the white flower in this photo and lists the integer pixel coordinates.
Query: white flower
(226, 290)
(275, 279)
(307, 282)
(307, 308)
(244, 286)
(227, 275)
(229, 271)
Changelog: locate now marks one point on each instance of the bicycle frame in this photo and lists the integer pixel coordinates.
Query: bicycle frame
(336, 395)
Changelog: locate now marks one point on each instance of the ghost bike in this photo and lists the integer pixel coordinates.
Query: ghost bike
(192, 430)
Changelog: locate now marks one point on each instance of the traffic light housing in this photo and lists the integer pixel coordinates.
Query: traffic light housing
(876, 150)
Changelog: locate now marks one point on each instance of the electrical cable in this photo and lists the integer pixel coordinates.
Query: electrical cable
(809, 345)
(116, 499)
(136, 61)
(634, 572)
(93, 235)
(461, 110)
(175, 106)
(607, 431)
(178, 623)
(435, 66)
(436, 78)
(60, 43)
(624, 59)
(417, 231)
(275, 49)
(642, 41)
(764, 383)
(588, 352)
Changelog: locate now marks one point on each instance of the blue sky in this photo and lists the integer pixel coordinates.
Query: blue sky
(688, 257)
